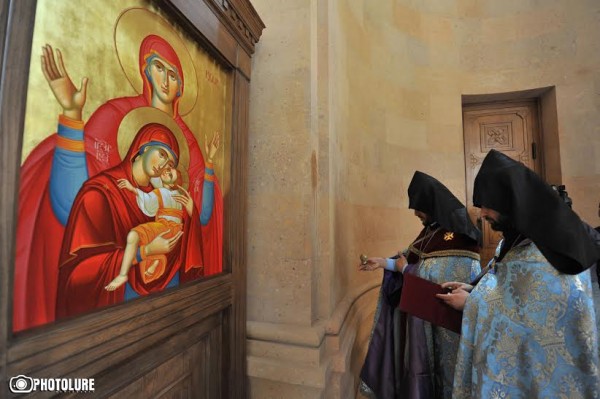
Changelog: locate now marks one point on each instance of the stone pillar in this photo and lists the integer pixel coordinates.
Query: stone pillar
(303, 314)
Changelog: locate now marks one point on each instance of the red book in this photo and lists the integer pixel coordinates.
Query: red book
(418, 299)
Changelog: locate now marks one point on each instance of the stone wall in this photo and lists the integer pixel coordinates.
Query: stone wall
(348, 99)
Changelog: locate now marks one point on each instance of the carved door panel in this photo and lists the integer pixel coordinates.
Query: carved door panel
(511, 128)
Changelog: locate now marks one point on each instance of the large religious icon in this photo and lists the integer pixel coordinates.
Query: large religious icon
(126, 199)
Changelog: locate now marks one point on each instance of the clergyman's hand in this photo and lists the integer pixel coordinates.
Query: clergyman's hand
(68, 96)
(401, 262)
(372, 264)
(455, 299)
(455, 285)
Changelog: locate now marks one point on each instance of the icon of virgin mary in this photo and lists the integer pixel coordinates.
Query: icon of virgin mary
(56, 169)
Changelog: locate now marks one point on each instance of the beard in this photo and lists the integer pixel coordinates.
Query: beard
(503, 224)
(427, 222)
(508, 230)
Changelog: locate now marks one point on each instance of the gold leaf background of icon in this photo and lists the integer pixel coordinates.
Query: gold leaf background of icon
(84, 32)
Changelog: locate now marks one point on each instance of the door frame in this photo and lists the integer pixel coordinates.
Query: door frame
(545, 130)
(537, 133)
(547, 124)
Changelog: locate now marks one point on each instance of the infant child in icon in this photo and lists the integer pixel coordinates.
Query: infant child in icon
(166, 203)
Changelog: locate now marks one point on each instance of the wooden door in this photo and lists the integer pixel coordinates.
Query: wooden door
(511, 128)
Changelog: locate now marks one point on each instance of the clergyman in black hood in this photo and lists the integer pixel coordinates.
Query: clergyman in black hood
(447, 248)
(529, 327)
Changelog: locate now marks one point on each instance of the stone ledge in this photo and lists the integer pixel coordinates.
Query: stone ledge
(287, 372)
(306, 355)
(308, 336)
(335, 322)
(286, 333)
(322, 361)
(262, 388)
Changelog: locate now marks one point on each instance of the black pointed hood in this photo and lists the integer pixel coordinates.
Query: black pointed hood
(536, 211)
(428, 195)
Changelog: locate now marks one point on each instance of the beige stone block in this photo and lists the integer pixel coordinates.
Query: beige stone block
(435, 7)
(521, 26)
(485, 82)
(281, 221)
(418, 51)
(439, 30)
(399, 71)
(416, 104)
(286, 372)
(261, 388)
(576, 100)
(355, 9)
(407, 19)
(280, 163)
(444, 60)
(445, 138)
(375, 222)
(442, 76)
(528, 54)
(470, 8)
(446, 109)
(579, 128)
(282, 294)
(495, 9)
(585, 193)
(308, 356)
(578, 164)
(379, 15)
(408, 133)
(375, 233)
(588, 47)
(279, 286)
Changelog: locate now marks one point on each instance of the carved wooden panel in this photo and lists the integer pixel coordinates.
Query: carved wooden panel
(510, 128)
(498, 136)
(192, 373)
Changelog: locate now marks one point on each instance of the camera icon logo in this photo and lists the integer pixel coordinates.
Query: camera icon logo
(21, 384)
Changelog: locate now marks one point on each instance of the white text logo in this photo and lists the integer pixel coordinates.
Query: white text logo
(24, 384)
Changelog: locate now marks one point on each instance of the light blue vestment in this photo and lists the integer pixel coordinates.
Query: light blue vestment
(431, 355)
(528, 331)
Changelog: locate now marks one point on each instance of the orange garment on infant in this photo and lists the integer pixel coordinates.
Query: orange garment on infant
(149, 231)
